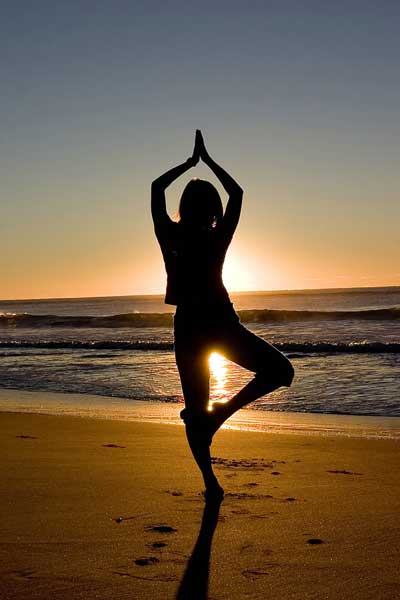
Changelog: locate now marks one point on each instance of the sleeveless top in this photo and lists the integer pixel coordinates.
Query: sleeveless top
(193, 261)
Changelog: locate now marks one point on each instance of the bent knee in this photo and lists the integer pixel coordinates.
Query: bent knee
(288, 374)
(282, 373)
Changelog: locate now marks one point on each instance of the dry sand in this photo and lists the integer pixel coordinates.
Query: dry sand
(112, 510)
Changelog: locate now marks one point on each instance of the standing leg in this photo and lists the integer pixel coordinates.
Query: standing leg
(194, 372)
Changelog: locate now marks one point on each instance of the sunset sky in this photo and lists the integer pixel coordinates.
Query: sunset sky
(298, 100)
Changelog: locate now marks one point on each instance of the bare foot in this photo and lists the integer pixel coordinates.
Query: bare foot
(219, 414)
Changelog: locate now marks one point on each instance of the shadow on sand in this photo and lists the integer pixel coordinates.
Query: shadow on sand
(194, 584)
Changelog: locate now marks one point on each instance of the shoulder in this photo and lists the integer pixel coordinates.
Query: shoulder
(168, 230)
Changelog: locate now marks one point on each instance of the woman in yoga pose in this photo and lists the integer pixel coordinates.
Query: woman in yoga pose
(194, 250)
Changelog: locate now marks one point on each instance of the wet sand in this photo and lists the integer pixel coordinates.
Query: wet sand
(108, 509)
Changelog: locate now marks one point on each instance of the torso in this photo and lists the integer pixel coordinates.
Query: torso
(194, 262)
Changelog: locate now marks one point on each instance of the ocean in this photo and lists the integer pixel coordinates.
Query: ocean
(343, 343)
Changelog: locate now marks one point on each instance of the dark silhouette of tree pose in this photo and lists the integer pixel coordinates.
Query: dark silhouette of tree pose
(194, 250)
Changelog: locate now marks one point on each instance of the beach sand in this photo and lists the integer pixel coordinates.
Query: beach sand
(108, 509)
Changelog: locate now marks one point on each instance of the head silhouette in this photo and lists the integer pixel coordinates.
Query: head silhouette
(200, 206)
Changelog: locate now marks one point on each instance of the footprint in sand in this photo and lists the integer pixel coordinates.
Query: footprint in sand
(161, 528)
(143, 562)
(112, 446)
(251, 548)
(255, 464)
(160, 577)
(174, 492)
(254, 573)
(344, 472)
(157, 545)
(246, 496)
(258, 572)
(264, 515)
(24, 573)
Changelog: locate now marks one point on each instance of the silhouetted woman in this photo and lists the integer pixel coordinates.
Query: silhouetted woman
(194, 250)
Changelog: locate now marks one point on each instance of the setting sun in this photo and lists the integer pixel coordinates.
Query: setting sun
(238, 274)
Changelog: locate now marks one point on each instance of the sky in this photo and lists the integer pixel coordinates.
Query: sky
(298, 100)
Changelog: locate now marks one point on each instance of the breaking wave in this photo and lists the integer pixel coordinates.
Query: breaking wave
(134, 320)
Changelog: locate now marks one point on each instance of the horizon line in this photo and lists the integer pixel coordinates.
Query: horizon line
(161, 294)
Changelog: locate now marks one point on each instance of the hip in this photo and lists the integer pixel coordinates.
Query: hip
(205, 320)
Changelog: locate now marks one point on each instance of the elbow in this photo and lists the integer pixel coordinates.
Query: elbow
(239, 196)
(158, 185)
(239, 192)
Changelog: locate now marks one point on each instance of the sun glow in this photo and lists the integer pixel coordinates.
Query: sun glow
(218, 368)
(234, 275)
(242, 272)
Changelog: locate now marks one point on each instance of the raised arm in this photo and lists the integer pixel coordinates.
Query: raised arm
(232, 188)
(159, 185)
